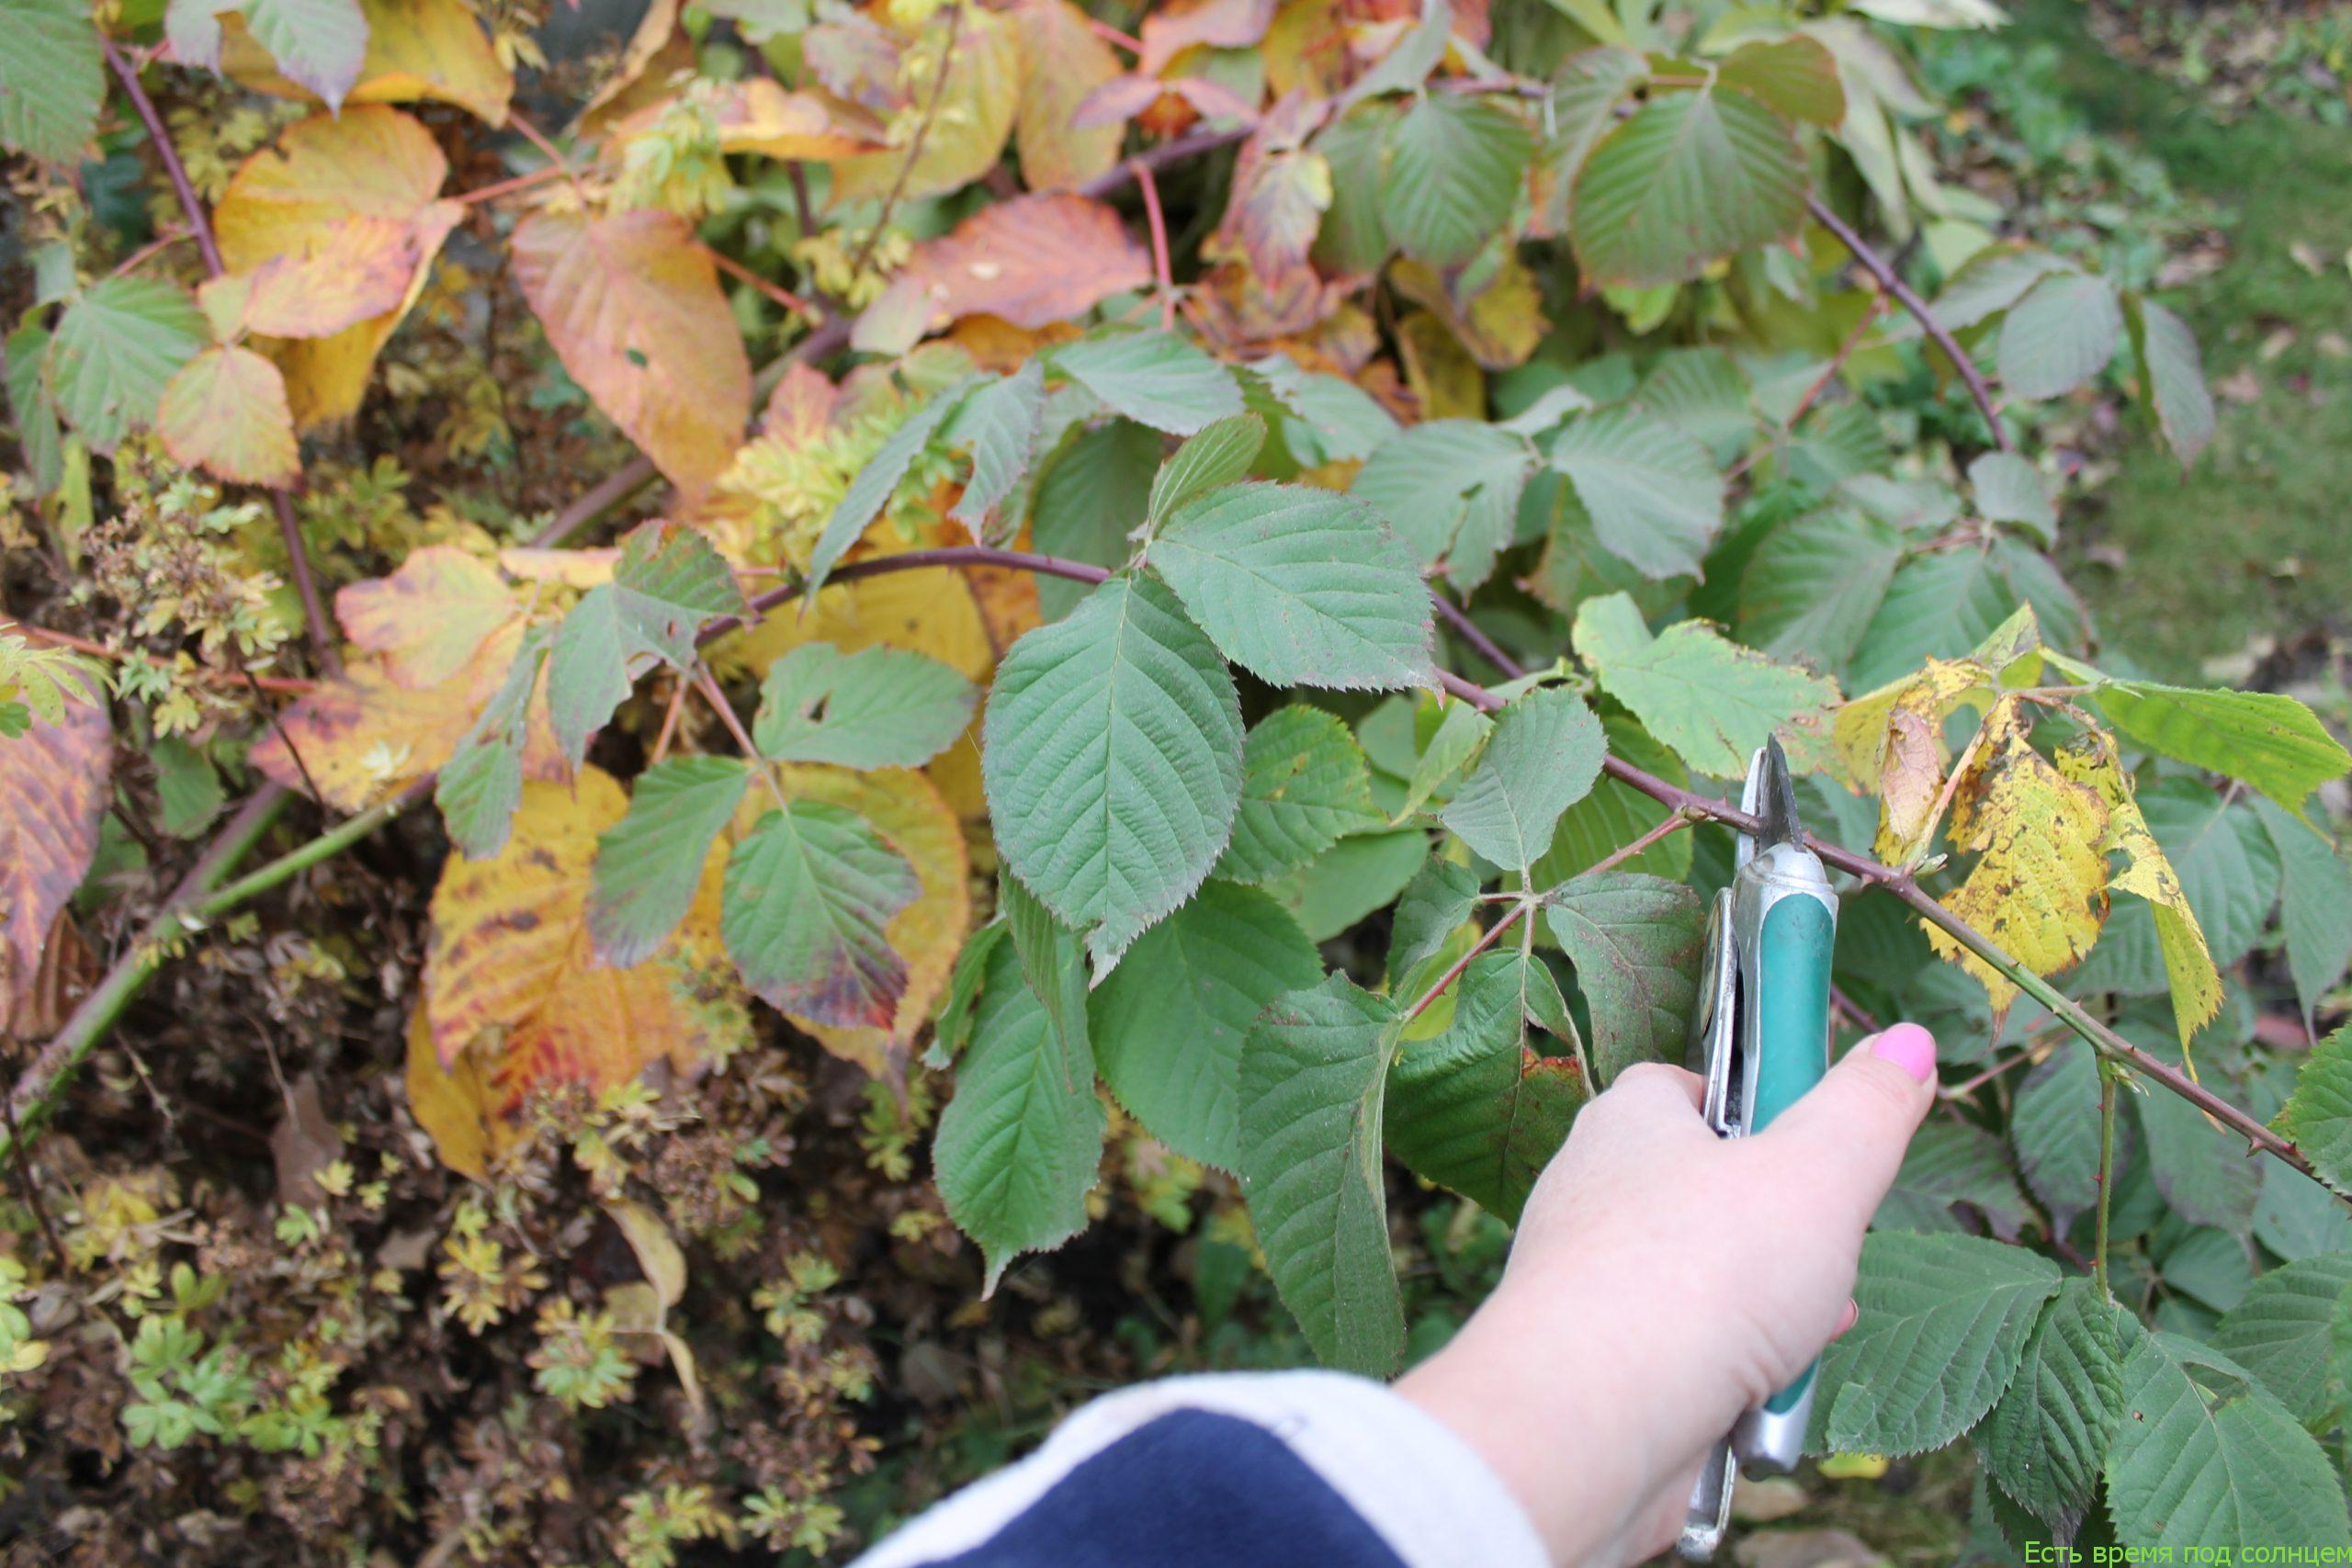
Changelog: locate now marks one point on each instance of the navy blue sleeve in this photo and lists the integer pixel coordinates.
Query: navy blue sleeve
(1191, 1489)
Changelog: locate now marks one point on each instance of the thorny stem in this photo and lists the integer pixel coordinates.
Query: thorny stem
(493, 191)
(670, 720)
(1453, 971)
(1879, 267)
(1820, 383)
(1675, 823)
(1110, 34)
(1159, 263)
(1967, 1087)
(914, 145)
(548, 148)
(2105, 1173)
(1470, 632)
(306, 583)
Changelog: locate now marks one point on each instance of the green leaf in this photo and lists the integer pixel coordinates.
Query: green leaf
(1112, 761)
(1300, 586)
(1456, 165)
(877, 481)
(997, 424)
(1813, 585)
(1361, 873)
(51, 79)
(2054, 1129)
(651, 862)
(1217, 455)
(1940, 606)
(1053, 964)
(2047, 1437)
(2264, 739)
(1586, 91)
(1545, 753)
(1944, 1329)
(2060, 335)
(1313, 1081)
(1020, 1144)
(2281, 1334)
(1952, 1176)
(668, 583)
(1462, 730)
(1305, 785)
(1428, 479)
(1688, 177)
(1635, 941)
(2010, 489)
(1713, 702)
(1653, 493)
(2318, 1115)
(117, 348)
(2206, 1457)
(1155, 379)
(954, 1028)
(1795, 76)
(2202, 1171)
(1436, 902)
(481, 785)
(1352, 239)
(879, 707)
(2175, 377)
(318, 44)
(1474, 1108)
(1089, 497)
(1323, 418)
(37, 435)
(2314, 904)
(1168, 1022)
(809, 893)
(2297, 1217)
(188, 792)
(1615, 814)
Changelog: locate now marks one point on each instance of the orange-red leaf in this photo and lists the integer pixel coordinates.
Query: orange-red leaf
(430, 617)
(1034, 260)
(225, 411)
(1223, 24)
(632, 305)
(53, 793)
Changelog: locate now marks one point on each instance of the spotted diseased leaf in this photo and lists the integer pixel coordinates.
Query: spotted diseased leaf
(1062, 62)
(2318, 1115)
(1168, 1022)
(1299, 586)
(1944, 1325)
(810, 892)
(1313, 1080)
(51, 79)
(1479, 1109)
(2060, 334)
(514, 1002)
(2038, 887)
(1545, 755)
(1634, 941)
(115, 350)
(1688, 177)
(1651, 492)
(880, 707)
(1305, 785)
(632, 306)
(1455, 163)
(1033, 261)
(1020, 1144)
(225, 411)
(2196, 984)
(318, 44)
(2206, 1457)
(2049, 1434)
(1711, 701)
(428, 619)
(1112, 757)
(649, 863)
(54, 792)
(1154, 379)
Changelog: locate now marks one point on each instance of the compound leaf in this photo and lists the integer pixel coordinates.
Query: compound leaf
(879, 707)
(1634, 940)
(1305, 785)
(1544, 757)
(1713, 702)
(2047, 1437)
(649, 863)
(810, 892)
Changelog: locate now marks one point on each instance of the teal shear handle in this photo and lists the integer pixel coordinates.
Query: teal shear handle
(1792, 1030)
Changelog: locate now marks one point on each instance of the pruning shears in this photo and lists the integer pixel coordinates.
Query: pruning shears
(1760, 1033)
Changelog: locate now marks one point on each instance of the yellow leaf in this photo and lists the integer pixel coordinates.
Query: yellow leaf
(332, 223)
(931, 611)
(976, 107)
(1911, 781)
(2196, 984)
(430, 617)
(907, 811)
(1858, 734)
(363, 735)
(759, 115)
(632, 306)
(1498, 325)
(1440, 370)
(2039, 888)
(583, 570)
(452, 1105)
(1062, 63)
(509, 971)
(416, 48)
(225, 411)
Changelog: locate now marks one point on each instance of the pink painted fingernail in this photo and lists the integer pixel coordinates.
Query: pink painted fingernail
(1909, 1046)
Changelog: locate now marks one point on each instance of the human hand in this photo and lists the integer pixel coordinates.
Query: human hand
(1662, 1281)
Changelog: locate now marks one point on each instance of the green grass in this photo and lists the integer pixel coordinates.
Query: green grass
(2253, 541)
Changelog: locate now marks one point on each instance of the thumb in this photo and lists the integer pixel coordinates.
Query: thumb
(1848, 1134)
